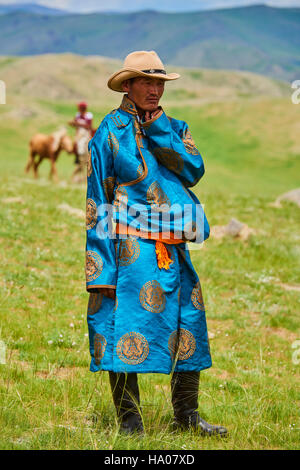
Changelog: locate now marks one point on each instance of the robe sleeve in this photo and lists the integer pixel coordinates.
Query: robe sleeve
(175, 150)
(101, 267)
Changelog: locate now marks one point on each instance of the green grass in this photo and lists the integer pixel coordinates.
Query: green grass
(49, 399)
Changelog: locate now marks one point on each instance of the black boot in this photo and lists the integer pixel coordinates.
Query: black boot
(125, 392)
(185, 387)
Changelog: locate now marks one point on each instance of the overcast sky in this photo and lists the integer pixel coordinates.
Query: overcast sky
(162, 5)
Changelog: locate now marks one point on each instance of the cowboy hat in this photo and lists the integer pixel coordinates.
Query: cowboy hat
(140, 64)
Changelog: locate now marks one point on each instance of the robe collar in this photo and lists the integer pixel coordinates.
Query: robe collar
(128, 106)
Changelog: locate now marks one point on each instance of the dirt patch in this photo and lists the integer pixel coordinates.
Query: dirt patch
(223, 375)
(13, 200)
(59, 373)
(227, 294)
(289, 286)
(281, 333)
(12, 357)
(72, 210)
(54, 372)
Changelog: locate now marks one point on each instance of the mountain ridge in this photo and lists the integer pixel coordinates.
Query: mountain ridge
(259, 39)
(44, 10)
(31, 7)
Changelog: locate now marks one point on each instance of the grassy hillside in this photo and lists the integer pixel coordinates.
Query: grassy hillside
(239, 109)
(246, 128)
(258, 38)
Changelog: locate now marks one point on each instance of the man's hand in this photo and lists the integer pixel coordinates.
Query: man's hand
(149, 115)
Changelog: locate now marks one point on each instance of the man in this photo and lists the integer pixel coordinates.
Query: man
(83, 122)
(146, 311)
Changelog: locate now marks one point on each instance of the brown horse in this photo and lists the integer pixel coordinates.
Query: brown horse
(48, 146)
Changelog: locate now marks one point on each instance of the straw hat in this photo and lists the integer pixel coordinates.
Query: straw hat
(140, 64)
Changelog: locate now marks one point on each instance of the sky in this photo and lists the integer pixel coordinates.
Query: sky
(161, 5)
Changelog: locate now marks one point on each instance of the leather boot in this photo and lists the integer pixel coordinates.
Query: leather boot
(126, 397)
(185, 387)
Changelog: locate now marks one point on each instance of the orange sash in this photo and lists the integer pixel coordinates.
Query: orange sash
(162, 255)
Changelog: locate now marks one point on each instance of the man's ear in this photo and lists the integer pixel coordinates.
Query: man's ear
(126, 86)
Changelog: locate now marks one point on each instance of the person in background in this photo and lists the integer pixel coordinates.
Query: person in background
(83, 123)
(83, 118)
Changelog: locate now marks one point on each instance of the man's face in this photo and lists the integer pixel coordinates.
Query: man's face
(145, 92)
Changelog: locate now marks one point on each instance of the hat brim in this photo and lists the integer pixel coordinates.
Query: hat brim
(115, 81)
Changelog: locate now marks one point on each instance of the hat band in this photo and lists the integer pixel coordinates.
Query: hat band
(155, 71)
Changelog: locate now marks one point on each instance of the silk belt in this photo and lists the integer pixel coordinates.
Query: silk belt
(162, 238)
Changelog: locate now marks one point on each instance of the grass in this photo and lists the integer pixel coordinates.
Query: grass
(49, 399)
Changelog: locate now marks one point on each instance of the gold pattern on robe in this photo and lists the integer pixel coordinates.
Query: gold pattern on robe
(93, 266)
(152, 297)
(99, 347)
(139, 170)
(197, 298)
(189, 143)
(113, 144)
(91, 214)
(129, 251)
(128, 106)
(138, 133)
(121, 198)
(95, 301)
(158, 198)
(169, 158)
(132, 348)
(118, 121)
(89, 164)
(181, 344)
(109, 186)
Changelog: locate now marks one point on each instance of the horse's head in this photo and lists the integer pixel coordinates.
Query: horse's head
(66, 143)
(61, 141)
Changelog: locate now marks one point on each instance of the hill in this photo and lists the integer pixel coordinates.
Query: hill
(30, 8)
(35, 85)
(68, 78)
(258, 38)
(240, 113)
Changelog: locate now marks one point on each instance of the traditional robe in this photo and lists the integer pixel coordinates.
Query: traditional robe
(139, 175)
